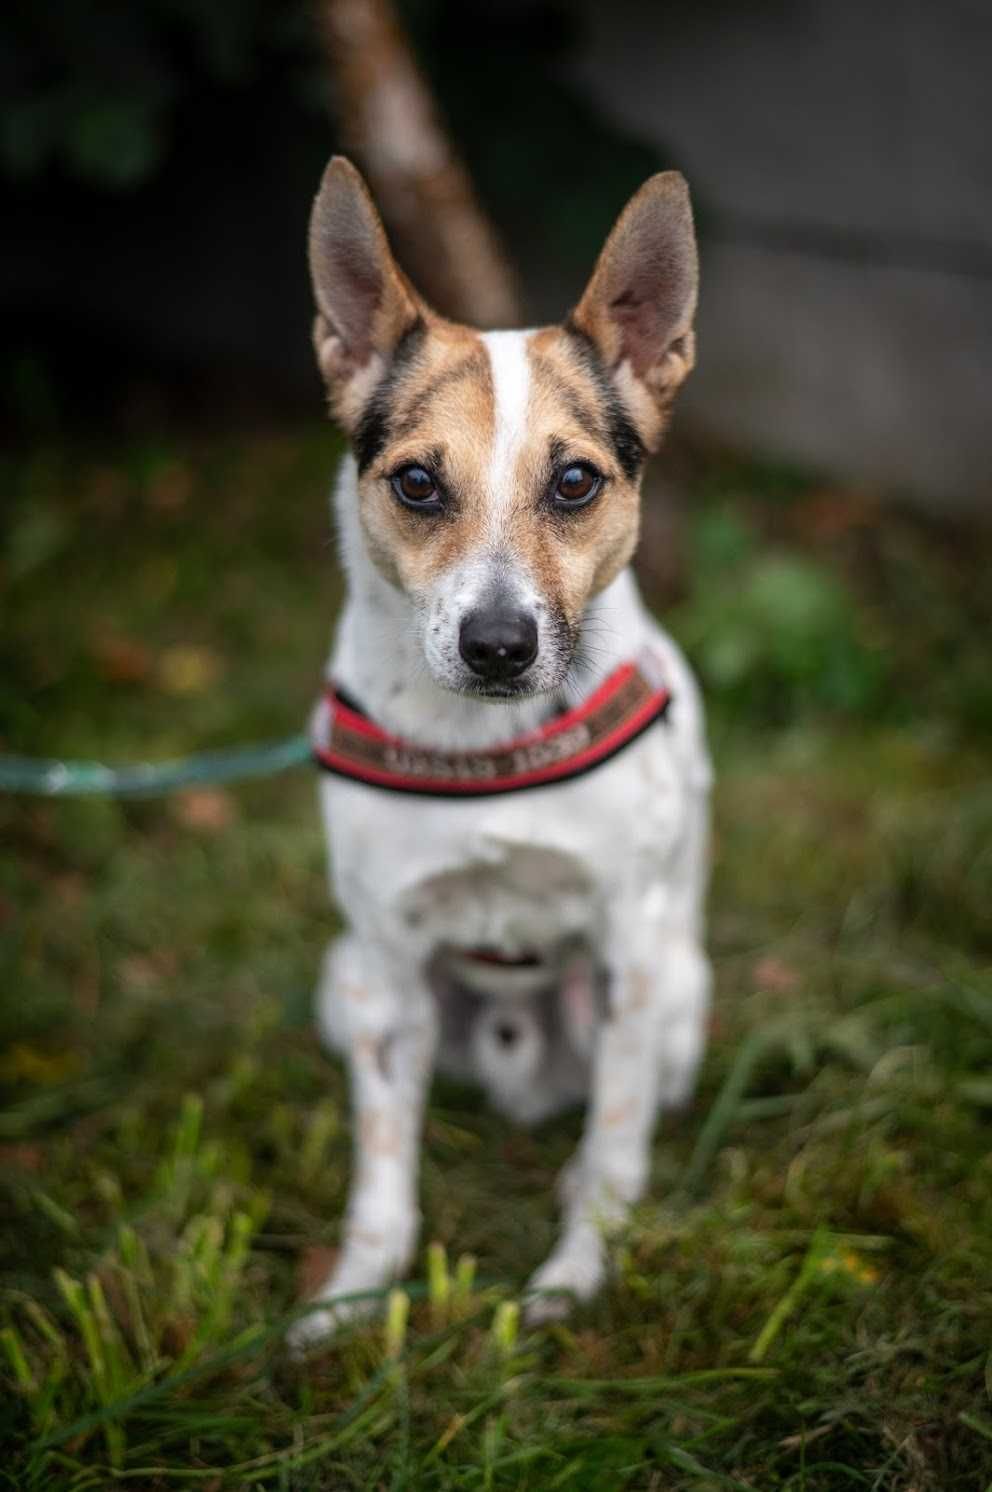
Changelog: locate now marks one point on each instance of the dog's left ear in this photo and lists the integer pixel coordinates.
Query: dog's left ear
(365, 304)
(639, 305)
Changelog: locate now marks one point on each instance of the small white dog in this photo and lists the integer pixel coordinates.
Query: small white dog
(517, 785)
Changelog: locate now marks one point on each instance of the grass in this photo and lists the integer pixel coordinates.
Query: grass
(805, 1300)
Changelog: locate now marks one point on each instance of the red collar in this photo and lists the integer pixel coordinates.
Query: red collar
(347, 743)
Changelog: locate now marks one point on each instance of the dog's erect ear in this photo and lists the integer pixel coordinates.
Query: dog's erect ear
(638, 306)
(365, 304)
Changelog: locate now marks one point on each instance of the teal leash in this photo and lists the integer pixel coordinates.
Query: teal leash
(52, 778)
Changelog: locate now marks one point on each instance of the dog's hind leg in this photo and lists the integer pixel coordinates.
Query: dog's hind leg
(390, 1025)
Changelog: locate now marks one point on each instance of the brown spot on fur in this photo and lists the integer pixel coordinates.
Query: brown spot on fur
(367, 1237)
(366, 1050)
(639, 984)
(374, 1052)
(379, 1134)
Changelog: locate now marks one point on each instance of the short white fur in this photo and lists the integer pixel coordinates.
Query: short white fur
(510, 368)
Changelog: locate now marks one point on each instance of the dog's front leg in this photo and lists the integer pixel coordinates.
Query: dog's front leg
(647, 1051)
(391, 1026)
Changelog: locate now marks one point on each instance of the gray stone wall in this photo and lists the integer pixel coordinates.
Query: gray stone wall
(840, 155)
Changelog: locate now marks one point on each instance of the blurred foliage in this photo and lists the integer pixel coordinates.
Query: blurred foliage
(470, 51)
(942, 868)
(774, 632)
(174, 646)
(99, 89)
(96, 87)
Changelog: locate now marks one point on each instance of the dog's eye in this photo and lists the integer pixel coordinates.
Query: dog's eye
(577, 485)
(415, 487)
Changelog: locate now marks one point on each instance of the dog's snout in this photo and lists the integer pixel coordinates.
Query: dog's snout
(498, 644)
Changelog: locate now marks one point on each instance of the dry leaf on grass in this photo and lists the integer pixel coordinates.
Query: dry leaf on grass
(23, 1156)
(169, 489)
(138, 972)
(207, 810)
(29, 1064)
(121, 660)
(836, 512)
(69, 888)
(776, 976)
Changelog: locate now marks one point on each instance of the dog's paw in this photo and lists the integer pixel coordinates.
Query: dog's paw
(372, 1259)
(573, 1274)
(323, 1321)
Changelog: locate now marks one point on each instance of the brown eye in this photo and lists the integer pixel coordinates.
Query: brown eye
(577, 486)
(415, 486)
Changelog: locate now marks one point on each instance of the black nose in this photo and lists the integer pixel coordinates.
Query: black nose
(498, 645)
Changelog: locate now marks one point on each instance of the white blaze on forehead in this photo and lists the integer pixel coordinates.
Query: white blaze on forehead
(511, 390)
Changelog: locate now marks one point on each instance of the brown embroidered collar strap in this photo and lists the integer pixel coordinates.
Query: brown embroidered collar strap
(347, 743)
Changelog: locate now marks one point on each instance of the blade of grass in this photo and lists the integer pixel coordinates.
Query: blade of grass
(789, 1301)
(723, 1112)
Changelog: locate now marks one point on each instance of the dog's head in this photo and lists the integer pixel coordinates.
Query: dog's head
(499, 472)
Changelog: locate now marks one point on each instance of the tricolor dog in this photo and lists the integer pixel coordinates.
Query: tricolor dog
(517, 777)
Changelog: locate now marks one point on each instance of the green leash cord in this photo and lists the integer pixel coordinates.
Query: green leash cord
(49, 777)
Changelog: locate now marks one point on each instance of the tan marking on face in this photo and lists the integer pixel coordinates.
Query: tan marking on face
(650, 408)
(443, 414)
(498, 470)
(573, 556)
(496, 417)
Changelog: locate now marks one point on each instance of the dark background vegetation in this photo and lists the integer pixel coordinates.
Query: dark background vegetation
(803, 1303)
(159, 161)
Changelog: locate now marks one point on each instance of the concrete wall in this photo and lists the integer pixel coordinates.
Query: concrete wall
(840, 154)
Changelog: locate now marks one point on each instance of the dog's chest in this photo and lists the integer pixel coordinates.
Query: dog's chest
(518, 872)
(513, 897)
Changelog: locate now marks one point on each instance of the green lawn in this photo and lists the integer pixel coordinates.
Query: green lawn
(805, 1301)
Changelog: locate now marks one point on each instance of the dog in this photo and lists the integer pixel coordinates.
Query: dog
(516, 799)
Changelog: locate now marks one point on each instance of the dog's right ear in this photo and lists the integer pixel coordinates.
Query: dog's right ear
(638, 307)
(365, 304)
